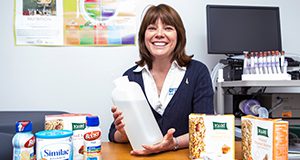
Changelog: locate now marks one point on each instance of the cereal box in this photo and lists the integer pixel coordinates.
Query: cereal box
(264, 139)
(211, 137)
(73, 122)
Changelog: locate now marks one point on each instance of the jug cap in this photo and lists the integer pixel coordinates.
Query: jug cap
(121, 81)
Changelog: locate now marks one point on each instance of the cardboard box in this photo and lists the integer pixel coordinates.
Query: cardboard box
(212, 137)
(264, 139)
(73, 122)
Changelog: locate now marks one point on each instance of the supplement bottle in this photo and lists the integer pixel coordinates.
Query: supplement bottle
(140, 124)
(23, 141)
(92, 139)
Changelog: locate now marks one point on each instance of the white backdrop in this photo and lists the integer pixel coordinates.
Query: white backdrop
(79, 79)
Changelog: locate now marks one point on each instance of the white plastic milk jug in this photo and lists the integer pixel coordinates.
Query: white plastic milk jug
(140, 124)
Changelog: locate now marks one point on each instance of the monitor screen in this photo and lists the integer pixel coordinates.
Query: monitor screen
(234, 29)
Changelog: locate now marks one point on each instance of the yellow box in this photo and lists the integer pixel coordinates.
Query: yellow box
(265, 139)
(211, 136)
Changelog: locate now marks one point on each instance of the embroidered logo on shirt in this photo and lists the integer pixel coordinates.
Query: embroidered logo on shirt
(172, 91)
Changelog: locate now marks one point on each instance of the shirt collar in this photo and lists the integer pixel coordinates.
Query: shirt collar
(140, 68)
(173, 66)
(176, 65)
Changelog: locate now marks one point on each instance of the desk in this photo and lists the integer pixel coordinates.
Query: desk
(114, 151)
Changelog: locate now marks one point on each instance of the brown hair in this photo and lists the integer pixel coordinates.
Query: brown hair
(168, 16)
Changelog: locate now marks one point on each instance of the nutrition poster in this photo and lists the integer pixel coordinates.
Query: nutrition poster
(75, 22)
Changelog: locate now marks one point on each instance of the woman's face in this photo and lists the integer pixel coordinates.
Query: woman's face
(160, 39)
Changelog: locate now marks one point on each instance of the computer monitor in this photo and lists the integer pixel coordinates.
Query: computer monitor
(234, 29)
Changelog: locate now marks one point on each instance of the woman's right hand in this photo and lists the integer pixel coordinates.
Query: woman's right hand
(120, 134)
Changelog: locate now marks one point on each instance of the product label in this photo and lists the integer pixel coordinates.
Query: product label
(56, 151)
(92, 145)
(23, 144)
(30, 143)
(218, 125)
(211, 137)
(74, 122)
(90, 136)
(264, 138)
(23, 153)
(78, 126)
(262, 131)
(93, 150)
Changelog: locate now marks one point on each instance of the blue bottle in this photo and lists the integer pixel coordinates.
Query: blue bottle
(92, 139)
(23, 141)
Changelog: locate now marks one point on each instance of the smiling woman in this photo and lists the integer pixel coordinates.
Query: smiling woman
(173, 83)
(172, 25)
(161, 40)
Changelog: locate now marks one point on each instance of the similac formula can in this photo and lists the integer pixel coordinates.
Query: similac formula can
(23, 141)
(54, 145)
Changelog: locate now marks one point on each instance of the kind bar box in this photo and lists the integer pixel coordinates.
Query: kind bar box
(264, 139)
(211, 137)
(73, 122)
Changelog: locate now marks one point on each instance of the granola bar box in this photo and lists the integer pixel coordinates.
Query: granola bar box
(211, 137)
(73, 122)
(265, 139)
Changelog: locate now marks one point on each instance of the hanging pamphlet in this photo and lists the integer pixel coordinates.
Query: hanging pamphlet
(75, 22)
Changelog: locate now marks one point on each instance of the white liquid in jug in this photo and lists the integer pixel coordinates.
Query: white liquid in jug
(140, 124)
(140, 128)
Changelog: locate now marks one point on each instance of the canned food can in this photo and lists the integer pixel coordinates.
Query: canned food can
(54, 145)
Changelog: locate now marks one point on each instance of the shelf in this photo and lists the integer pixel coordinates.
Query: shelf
(260, 83)
(291, 121)
(268, 83)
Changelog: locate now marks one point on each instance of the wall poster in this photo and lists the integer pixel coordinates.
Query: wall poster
(75, 22)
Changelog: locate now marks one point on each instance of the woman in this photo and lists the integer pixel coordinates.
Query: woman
(173, 83)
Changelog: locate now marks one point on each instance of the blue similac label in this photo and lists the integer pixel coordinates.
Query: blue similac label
(57, 152)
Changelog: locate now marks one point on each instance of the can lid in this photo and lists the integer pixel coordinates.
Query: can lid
(23, 126)
(92, 121)
(50, 134)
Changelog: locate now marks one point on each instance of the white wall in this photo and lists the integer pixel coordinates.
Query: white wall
(79, 79)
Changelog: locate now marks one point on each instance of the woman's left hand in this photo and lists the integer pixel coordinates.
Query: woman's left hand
(168, 143)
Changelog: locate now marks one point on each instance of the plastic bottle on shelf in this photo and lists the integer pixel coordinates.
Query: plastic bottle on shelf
(253, 107)
(140, 124)
(246, 63)
(273, 60)
(252, 63)
(260, 111)
(260, 63)
(265, 64)
(256, 66)
(92, 139)
(23, 141)
(269, 62)
(277, 62)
